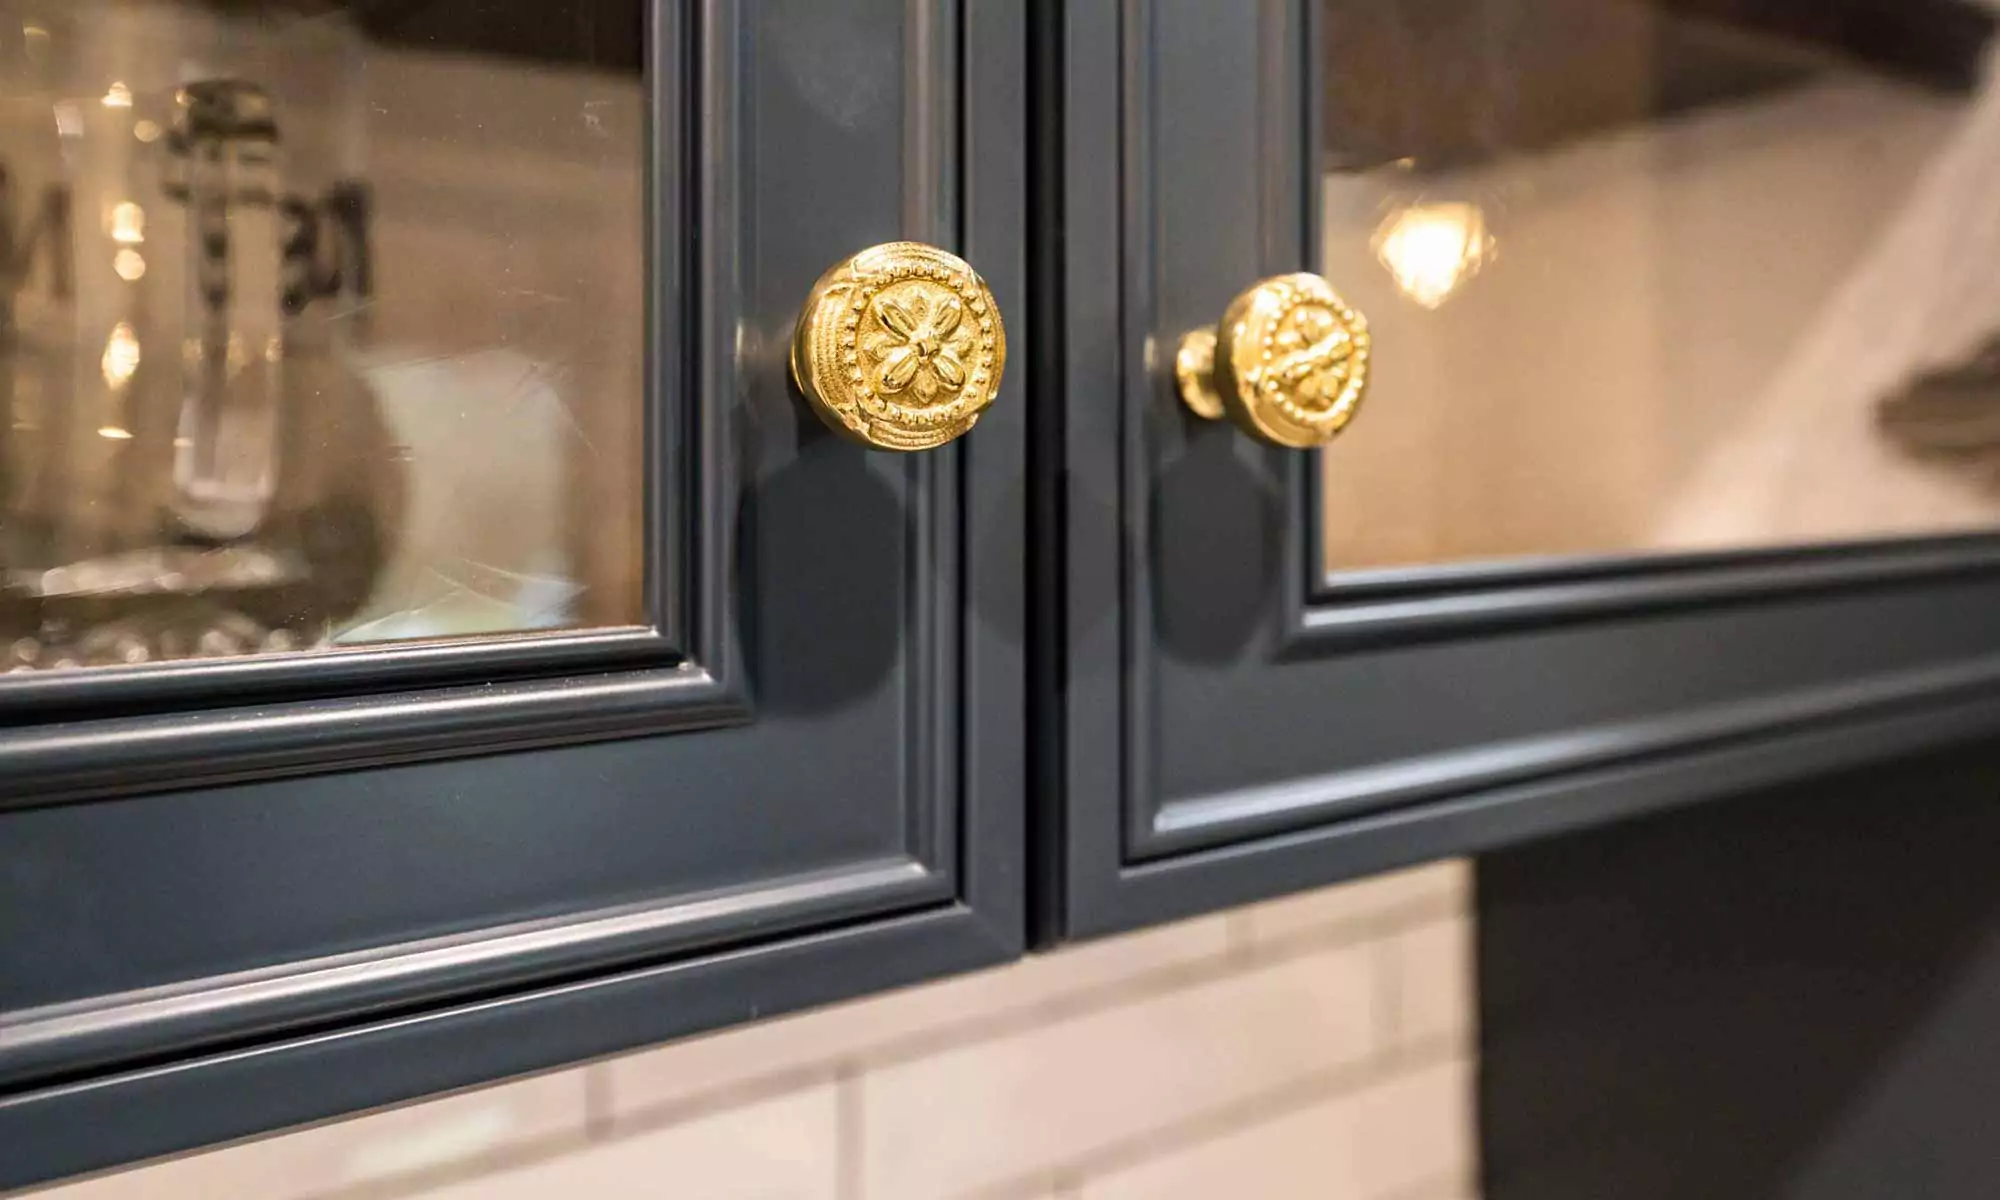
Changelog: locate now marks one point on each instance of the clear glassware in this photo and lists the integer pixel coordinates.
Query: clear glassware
(173, 229)
(320, 325)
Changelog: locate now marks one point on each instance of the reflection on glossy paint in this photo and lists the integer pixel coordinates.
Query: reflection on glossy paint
(1431, 250)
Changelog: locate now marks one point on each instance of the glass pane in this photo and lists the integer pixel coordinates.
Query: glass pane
(320, 324)
(1662, 276)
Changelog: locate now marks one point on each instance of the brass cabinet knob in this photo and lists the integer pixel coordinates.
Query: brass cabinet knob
(1288, 364)
(900, 347)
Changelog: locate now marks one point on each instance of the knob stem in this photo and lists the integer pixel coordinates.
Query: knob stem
(1194, 374)
(1288, 364)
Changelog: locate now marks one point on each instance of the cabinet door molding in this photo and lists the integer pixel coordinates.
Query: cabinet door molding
(243, 895)
(1239, 721)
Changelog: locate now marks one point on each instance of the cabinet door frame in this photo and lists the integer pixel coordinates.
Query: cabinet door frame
(101, 1080)
(678, 671)
(1126, 846)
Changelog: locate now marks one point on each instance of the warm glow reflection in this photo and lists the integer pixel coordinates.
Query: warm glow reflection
(118, 96)
(146, 131)
(121, 356)
(128, 223)
(130, 265)
(116, 433)
(1432, 249)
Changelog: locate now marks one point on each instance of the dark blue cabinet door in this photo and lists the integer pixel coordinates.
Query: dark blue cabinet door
(237, 894)
(1235, 719)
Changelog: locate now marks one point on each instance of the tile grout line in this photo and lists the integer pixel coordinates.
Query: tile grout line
(1239, 933)
(496, 1161)
(1149, 984)
(551, 1148)
(1213, 1124)
(1410, 914)
(739, 1094)
(1135, 988)
(1389, 1021)
(850, 1133)
(1241, 953)
(612, 1131)
(1439, 1188)
(598, 1102)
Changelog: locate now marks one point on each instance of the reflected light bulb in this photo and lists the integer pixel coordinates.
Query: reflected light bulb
(117, 96)
(69, 119)
(121, 356)
(1431, 250)
(128, 223)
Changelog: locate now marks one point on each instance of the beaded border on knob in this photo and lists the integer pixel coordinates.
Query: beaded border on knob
(856, 308)
(1258, 380)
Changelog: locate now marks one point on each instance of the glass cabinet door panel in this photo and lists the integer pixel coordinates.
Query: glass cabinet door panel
(321, 324)
(1661, 275)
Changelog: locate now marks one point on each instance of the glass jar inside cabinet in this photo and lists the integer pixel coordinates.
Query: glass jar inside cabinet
(303, 330)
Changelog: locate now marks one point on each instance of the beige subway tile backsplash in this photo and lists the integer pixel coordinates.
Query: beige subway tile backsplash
(779, 1149)
(644, 1082)
(1306, 1154)
(1312, 1048)
(1441, 889)
(544, 1110)
(1035, 1099)
(1415, 1131)
(1435, 982)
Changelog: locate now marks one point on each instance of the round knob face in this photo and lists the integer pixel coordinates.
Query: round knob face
(900, 347)
(1291, 361)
